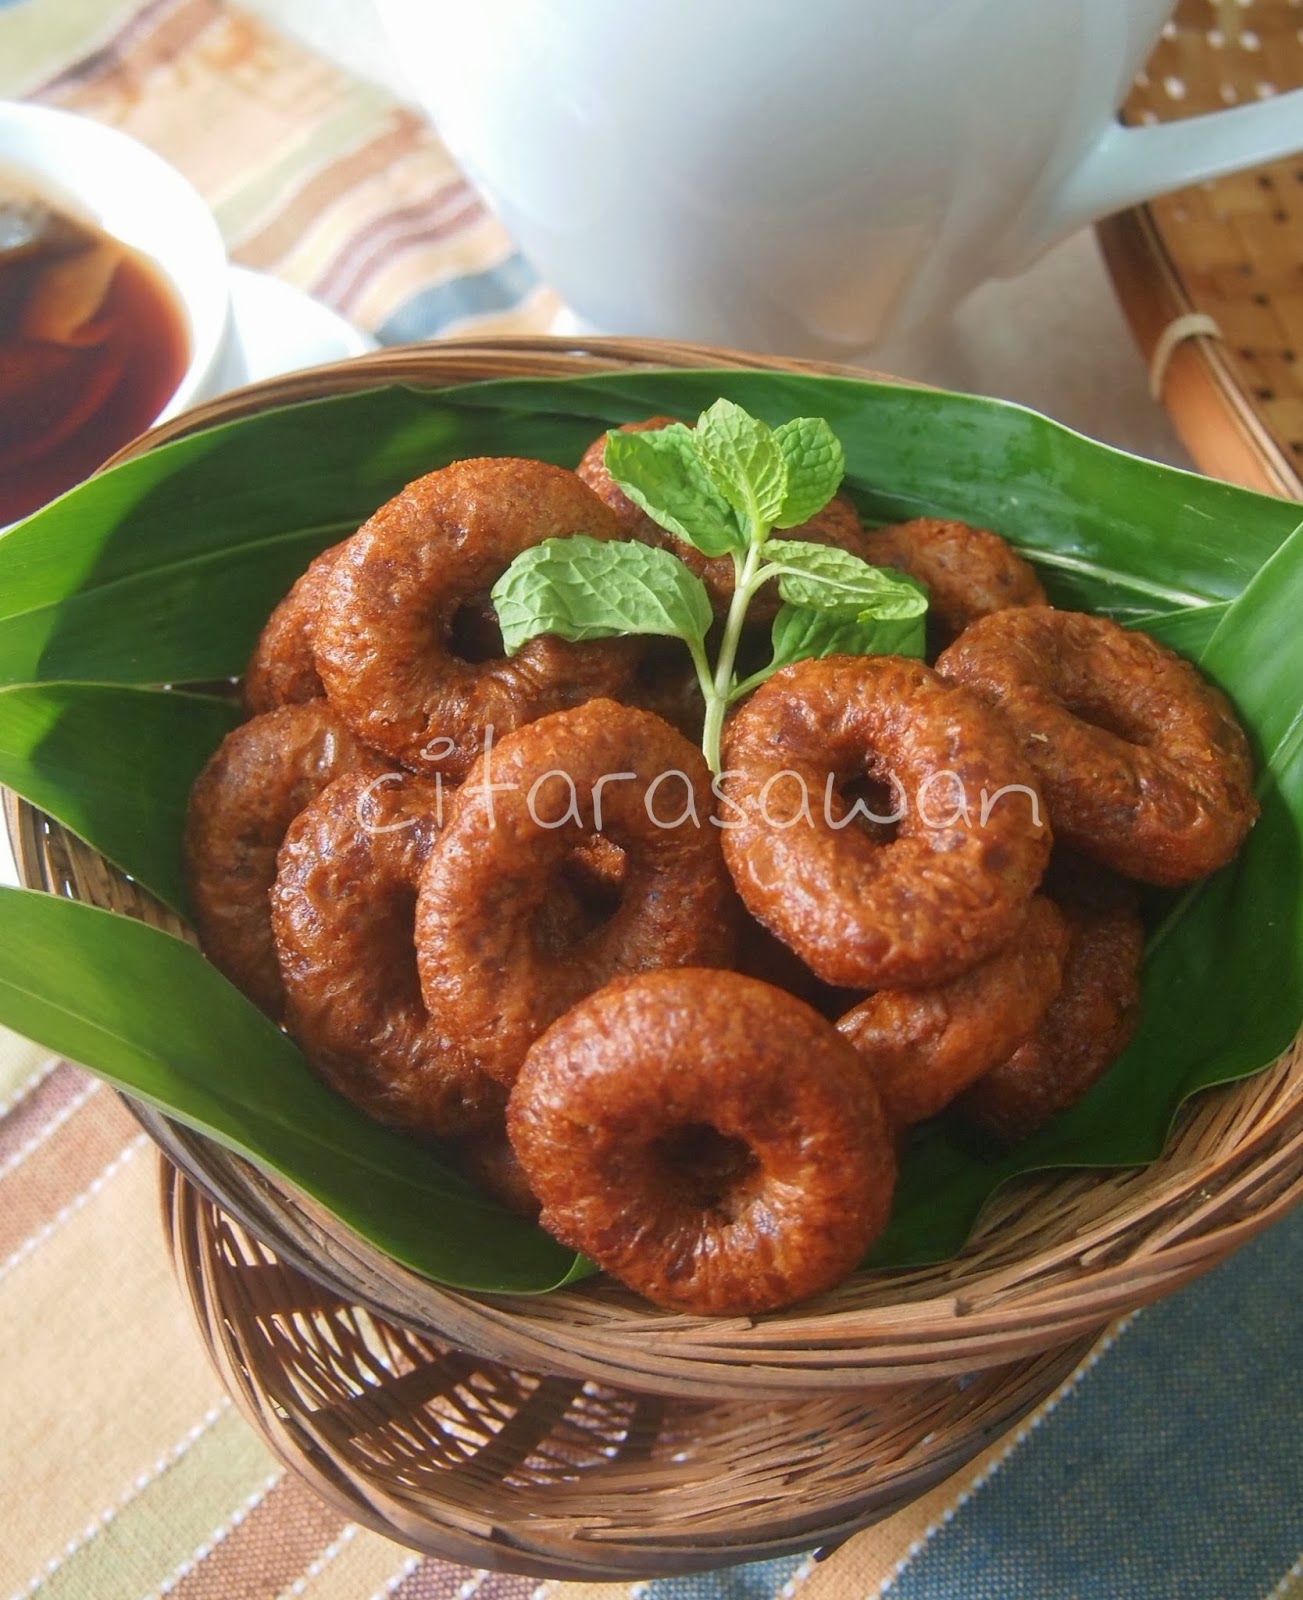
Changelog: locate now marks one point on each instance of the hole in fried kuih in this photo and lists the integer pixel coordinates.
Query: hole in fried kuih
(1265, 394)
(1109, 716)
(1265, 180)
(474, 634)
(1216, 38)
(1228, 93)
(1174, 88)
(876, 806)
(400, 930)
(1280, 216)
(1249, 40)
(707, 1168)
(583, 896)
(1288, 355)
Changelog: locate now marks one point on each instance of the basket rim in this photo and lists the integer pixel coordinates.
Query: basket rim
(1181, 1223)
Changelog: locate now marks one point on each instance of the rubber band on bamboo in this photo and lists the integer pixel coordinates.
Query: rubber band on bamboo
(1193, 325)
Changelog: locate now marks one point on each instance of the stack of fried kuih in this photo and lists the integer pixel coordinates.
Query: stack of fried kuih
(685, 1018)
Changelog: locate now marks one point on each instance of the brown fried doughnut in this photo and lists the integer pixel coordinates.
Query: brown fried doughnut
(342, 910)
(1076, 880)
(924, 1046)
(282, 670)
(1080, 1036)
(1143, 765)
(707, 1139)
(954, 883)
(665, 682)
(837, 524)
(490, 1163)
(760, 954)
(392, 601)
(969, 572)
(493, 969)
(258, 780)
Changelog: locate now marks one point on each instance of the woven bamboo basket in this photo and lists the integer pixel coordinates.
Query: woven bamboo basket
(593, 1435)
(1211, 277)
(557, 1476)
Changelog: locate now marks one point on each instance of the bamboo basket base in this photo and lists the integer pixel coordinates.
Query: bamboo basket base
(556, 1477)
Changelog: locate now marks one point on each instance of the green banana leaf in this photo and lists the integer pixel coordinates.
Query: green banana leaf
(151, 1016)
(161, 571)
(145, 750)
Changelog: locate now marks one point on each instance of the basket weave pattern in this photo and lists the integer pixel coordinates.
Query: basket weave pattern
(553, 1476)
(1231, 249)
(835, 1412)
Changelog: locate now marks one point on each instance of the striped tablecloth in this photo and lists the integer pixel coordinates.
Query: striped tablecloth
(1170, 1465)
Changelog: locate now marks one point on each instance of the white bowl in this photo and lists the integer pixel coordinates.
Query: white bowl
(137, 197)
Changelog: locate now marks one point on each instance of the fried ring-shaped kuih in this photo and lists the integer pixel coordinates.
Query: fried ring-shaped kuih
(258, 780)
(385, 639)
(925, 1046)
(342, 910)
(1079, 1037)
(762, 955)
(491, 1164)
(707, 1139)
(493, 969)
(666, 682)
(282, 670)
(969, 572)
(837, 524)
(1142, 763)
(954, 883)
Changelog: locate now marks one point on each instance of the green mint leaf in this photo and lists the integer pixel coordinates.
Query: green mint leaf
(744, 462)
(801, 633)
(824, 577)
(585, 588)
(661, 472)
(816, 464)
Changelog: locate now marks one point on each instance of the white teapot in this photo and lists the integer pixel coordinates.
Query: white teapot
(810, 177)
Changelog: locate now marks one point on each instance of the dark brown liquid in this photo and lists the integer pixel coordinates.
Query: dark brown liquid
(68, 403)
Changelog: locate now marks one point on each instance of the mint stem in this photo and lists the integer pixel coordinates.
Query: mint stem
(700, 661)
(717, 696)
(740, 691)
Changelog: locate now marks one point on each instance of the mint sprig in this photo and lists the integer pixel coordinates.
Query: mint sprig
(723, 487)
(585, 588)
(745, 462)
(829, 578)
(662, 472)
(804, 633)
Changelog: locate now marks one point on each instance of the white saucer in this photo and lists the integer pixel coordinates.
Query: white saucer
(280, 329)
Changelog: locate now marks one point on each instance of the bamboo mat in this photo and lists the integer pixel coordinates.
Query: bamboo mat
(1171, 1464)
(1211, 277)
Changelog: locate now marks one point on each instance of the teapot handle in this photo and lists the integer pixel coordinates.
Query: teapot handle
(1129, 165)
